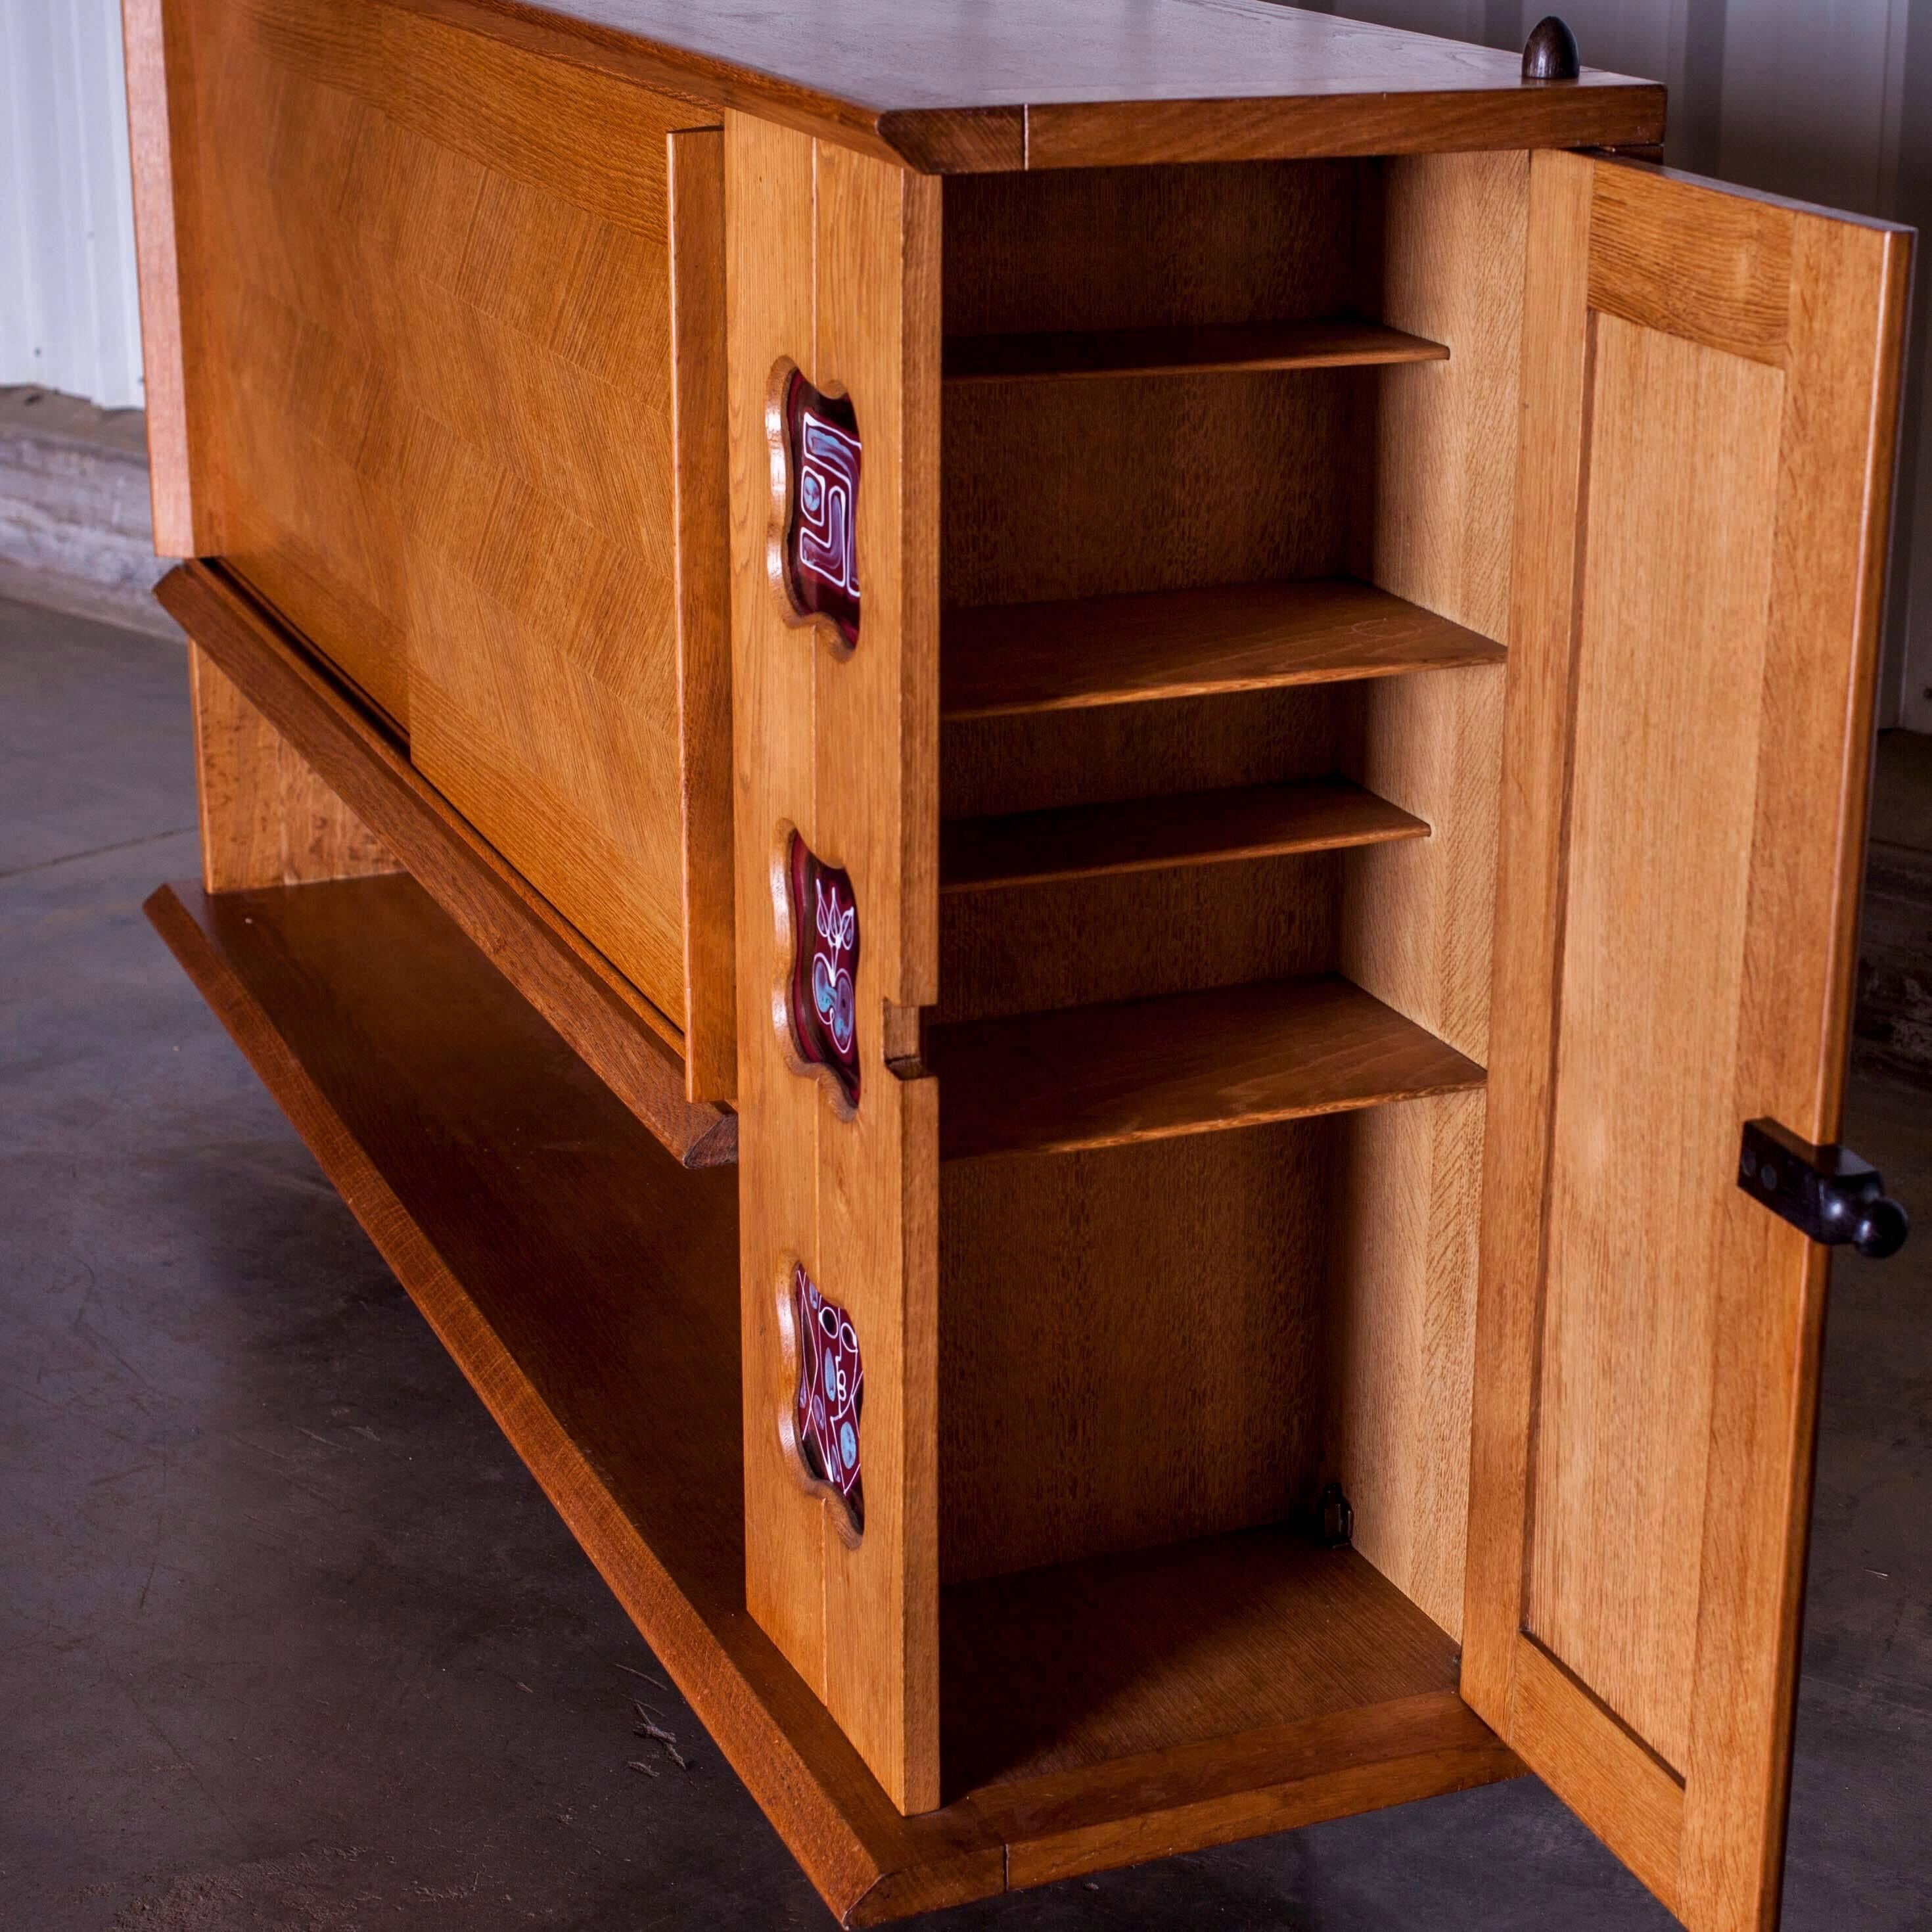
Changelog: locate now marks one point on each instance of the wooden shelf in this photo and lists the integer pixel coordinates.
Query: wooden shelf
(567, 1262)
(1146, 835)
(1002, 661)
(1152, 1648)
(631, 1043)
(1337, 343)
(1188, 1064)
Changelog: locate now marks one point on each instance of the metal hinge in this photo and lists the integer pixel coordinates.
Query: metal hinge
(1827, 1192)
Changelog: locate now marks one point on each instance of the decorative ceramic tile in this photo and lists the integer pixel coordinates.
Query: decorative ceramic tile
(822, 520)
(825, 967)
(831, 1393)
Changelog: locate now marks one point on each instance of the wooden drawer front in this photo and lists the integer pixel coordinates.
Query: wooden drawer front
(434, 276)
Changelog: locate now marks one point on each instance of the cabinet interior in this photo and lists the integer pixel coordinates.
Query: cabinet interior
(1205, 1254)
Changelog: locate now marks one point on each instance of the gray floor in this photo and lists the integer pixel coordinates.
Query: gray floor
(288, 1638)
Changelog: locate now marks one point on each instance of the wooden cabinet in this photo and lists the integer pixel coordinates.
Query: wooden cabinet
(1202, 684)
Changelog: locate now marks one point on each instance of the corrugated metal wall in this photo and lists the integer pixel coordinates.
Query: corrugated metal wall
(70, 317)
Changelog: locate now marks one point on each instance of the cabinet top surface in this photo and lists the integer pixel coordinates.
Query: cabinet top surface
(994, 84)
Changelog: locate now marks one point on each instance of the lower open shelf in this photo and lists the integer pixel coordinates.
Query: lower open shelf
(1093, 1715)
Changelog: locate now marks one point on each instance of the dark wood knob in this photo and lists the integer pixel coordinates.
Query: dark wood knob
(1550, 52)
(1829, 1193)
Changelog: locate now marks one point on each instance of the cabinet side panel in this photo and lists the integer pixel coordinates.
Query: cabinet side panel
(1418, 918)
(442, 314)
(1451, 270)
(1402, 1341)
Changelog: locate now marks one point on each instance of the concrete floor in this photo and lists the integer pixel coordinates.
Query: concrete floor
(288, 1638)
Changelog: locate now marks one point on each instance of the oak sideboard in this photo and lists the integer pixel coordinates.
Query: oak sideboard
(1055, 807)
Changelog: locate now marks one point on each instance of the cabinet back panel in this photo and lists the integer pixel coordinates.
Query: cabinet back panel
(1071, 943)
(434, 272)
(1032, 762)
(1079, 489)
(1130, 1345)
(1150, 247)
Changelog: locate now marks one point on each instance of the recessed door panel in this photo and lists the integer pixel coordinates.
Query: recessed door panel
(1711, 390)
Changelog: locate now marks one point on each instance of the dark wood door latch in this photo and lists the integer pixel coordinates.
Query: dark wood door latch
(1827, 1192)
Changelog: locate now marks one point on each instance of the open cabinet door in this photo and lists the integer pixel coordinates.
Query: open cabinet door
(1710, 394)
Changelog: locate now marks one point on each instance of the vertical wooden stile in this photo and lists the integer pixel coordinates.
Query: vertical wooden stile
(834, 267)
(769, 310)
(695, 197)
(266, 818)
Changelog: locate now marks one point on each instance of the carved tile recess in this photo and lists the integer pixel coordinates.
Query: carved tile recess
(825, 967)
(831, 1393)
(821, 542)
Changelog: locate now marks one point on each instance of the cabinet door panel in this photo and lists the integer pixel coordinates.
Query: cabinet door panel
(453, 327)
(1711, 386)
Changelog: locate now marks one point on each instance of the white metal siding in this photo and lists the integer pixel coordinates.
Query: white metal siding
(70, 315)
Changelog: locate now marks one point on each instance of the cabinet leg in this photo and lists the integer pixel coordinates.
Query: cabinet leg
(266, 819)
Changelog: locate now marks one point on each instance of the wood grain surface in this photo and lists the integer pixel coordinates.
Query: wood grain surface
(1055, 491)
(1020, 762)
(1680, 855)
(1228, 348)
(1405, 1189)
(1092, 83)
(437, 276)
(565, 1261)
(1192, 1063)
(1260, 243)
(695, 204)
(834, 271)
(1131, 1345)
(1148, 834)
(1417, 919)
(770, 319)
(266, 819)
(1260, 1627)
(1629, 1630)
(628, 1042)
(1250, 637)
(1083, 942)
(875, 806)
